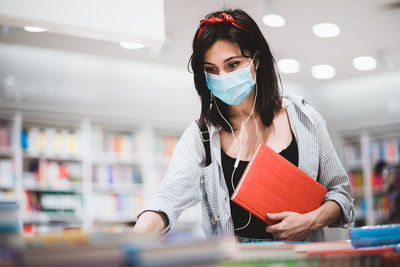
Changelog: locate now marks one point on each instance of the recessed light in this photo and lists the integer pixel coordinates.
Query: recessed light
(129, 45)
(326, 30)
(274, 20)
(364, 63)
(323, 72)
(288, 65)
(34, 29)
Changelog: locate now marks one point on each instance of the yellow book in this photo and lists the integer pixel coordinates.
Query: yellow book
(41, 141)
(57, 143)
(72, 143)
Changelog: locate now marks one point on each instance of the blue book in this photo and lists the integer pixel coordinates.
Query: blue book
(372, 236)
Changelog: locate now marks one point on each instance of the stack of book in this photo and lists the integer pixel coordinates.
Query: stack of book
(9, 221)
(7, 174)
(53, 202)
(116, 207)
(166, 145)
(117, 174)
(5, 141)
(351, 153)
(10, 224)
(385, 150)
(113, 144)
(356, 180)
(51, 142)
(55, 175)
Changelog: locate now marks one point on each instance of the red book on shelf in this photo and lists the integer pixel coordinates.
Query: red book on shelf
(272, 184)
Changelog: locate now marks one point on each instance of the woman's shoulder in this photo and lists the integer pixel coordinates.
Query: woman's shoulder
(192, 131)
(305, 108)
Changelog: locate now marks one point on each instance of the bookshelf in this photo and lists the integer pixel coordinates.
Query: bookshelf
(52, 176)
(117, 179)
(365, 154)
(7, 173)
(89, 173)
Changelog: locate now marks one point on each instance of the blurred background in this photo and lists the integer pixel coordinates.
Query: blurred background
(94, 96)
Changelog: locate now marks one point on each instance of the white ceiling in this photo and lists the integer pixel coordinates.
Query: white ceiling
(368, 27)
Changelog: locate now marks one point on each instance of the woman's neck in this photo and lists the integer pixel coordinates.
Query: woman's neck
(243, 110)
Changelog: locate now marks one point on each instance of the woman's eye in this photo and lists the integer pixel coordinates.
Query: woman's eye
(209, 69)
(233, 64)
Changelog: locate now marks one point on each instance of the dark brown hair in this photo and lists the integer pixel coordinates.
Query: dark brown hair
(251, 43)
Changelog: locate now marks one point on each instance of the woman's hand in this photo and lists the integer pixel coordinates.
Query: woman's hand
(292, 225)
(295, 226)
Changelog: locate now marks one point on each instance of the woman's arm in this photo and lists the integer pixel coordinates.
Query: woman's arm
(151, 222)
(295, 226)
(180, 187)
(337, 208)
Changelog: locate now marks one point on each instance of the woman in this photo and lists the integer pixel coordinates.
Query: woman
(236, 79)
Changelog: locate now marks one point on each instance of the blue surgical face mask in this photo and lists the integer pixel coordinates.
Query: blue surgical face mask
(231, 88)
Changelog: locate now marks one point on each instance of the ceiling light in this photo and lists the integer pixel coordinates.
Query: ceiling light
(288, 65)
(326, 30)
(323, 72)
(34, 29)
(364, 63)
(129, 45)
(273, 20)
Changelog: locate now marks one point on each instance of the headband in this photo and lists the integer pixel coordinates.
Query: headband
(222, 18)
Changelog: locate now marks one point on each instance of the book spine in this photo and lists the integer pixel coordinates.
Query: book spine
(245, 172)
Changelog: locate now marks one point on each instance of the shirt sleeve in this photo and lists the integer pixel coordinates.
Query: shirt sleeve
(332, 175)
(180, 188)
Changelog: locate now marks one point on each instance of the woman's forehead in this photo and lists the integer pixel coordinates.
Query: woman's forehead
(221, 50)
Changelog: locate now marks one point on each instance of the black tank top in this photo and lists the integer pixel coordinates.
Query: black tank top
(240, 216)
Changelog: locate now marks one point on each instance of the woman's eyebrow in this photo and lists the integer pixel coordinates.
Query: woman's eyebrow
(229, 58)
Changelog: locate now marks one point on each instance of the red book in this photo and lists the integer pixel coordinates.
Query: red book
(272, 184)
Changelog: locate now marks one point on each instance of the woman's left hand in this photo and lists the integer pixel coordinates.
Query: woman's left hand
(292, 225)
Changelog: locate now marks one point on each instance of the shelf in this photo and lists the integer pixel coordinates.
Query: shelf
(352, 166)
(8, 198)
(115, 219)
(109, 188)
(52, 157)
(364, 153)
(75, 188)
(45, 217)
(8, 187)
(104, 169)
(6, 152)
(116, 161)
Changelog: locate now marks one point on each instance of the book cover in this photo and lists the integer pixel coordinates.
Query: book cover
(272, 184)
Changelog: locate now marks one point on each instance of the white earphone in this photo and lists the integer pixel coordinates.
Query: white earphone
(238, 147)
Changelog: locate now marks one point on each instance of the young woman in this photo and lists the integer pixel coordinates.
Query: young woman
(236, 78)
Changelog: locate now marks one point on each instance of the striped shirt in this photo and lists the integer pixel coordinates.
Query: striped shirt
(187, 182)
